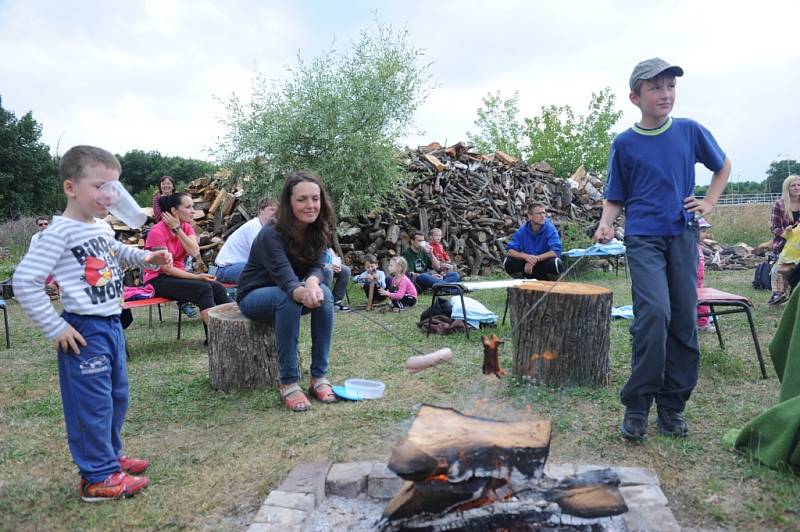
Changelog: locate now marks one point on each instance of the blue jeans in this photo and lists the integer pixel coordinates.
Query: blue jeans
(270, 303)
(427, 280)
(94, 392)
(665, 358)
(230, 273)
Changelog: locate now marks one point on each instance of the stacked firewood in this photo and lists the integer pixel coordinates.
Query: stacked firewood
(478, 201)
(218, 212)
(737, 257)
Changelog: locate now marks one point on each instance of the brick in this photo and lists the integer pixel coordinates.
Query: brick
(293, 500)
(348, 480)
(308, 477)
(643, 496)
(631, 476)
(646, 518)
(277, 516)
(382, 483)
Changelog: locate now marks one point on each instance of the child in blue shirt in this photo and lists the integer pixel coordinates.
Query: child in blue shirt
(651, 174)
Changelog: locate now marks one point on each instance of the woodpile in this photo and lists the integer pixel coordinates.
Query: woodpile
(478, 201)
(737, 257)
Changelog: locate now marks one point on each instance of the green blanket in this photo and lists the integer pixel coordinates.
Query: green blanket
(773, 437)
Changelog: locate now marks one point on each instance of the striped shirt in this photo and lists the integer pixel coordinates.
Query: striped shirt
(85, 260)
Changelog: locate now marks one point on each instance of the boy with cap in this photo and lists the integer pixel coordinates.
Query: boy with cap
(651, 174)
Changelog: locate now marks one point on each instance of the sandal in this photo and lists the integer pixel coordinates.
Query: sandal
(294, 398)
(322, 391)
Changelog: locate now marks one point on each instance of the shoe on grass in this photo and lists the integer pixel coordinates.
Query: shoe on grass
(117, 486)
(672, 423)
(634, 425)
(133, 466)
(189, 310)
(340, 307)
(777, 298)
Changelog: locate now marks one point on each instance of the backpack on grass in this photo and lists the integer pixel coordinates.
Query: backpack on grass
(761, 278)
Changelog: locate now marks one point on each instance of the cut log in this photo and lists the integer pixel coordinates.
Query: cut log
(565, 340)
(443, 441)
(241, 352)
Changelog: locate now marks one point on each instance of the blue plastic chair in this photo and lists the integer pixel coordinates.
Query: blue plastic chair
(5, 322)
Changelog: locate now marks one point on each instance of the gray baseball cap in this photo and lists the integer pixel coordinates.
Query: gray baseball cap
(650, 68)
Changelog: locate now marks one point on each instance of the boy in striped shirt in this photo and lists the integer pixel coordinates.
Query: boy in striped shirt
(80, 251)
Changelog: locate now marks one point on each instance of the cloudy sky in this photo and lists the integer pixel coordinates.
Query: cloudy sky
(147, 74)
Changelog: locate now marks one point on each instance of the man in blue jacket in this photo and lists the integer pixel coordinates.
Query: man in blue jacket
(535, 249)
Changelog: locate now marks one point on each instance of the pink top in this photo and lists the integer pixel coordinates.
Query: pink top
(438, 251)
(161, 236)
(404, 288)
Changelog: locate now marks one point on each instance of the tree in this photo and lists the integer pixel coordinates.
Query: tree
(142, 170)
(499, 127)
(780, 170)
(341, 115)
(29, 182)
(566, 141)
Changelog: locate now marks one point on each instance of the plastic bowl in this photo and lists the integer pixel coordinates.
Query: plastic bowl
(364, 388)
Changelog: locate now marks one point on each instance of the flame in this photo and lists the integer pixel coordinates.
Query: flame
(549, 356)
(438, 478)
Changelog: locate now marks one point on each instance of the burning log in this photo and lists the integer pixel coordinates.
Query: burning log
(468, 473)
(565, 340)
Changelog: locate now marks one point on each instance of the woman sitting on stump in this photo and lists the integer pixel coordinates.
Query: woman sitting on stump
(283, 280)
(176, 234)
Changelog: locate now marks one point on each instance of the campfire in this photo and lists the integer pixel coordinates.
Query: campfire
(468, 473)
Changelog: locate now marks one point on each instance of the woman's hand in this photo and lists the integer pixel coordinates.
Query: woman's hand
(206, 277)
(384, 292)
(171, 221)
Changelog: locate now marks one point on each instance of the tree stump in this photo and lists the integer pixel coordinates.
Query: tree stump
(241, 352)
(565, 340)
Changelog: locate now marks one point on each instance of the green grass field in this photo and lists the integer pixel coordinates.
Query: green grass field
(216, 456)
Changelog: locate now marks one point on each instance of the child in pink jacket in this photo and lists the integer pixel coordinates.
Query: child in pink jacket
(401, 291)
(703, 323)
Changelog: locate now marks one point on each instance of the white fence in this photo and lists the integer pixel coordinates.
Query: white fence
(738, 199)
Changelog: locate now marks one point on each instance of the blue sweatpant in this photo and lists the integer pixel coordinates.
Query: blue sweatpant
(665, 357)
(94, 391)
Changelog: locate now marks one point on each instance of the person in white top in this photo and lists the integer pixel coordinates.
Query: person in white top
(236, 250)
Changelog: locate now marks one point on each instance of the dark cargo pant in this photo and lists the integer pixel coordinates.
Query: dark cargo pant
(665, 357)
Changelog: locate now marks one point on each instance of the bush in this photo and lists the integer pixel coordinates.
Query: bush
(15, 236)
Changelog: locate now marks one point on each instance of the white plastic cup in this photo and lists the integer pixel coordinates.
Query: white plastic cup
(121, 204)
(336, 260)
(425, 245)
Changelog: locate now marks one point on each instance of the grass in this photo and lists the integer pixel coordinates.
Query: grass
(748, 223)
(216, 456)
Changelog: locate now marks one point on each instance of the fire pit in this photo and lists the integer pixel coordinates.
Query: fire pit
(458, 472)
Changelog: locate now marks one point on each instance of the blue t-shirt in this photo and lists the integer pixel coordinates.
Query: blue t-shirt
(651, 171)
(526, 241)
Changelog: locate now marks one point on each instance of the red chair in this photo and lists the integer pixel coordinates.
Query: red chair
(714, 299)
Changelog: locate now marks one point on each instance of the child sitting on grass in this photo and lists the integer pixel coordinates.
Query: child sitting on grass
(401, 290)
(437, 248)
(372, 275)
(79, 249)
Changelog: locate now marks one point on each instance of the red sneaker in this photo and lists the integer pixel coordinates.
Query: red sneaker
(116, 486)
(132, 466)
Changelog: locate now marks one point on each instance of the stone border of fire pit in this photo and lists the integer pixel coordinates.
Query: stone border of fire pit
(306, 486)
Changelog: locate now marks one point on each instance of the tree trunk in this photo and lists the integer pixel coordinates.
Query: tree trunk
(566, 339)
(241, 352)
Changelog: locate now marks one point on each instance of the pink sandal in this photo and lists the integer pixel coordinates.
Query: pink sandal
(322, 391)
(294, 398)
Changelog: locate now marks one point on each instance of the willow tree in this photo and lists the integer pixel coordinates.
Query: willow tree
(341, 114)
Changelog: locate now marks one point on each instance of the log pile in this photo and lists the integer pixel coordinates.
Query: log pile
(478, 201)
(737, 257)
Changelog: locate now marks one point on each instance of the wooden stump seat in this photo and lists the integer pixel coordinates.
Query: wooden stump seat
(565, 340)
(241, 352)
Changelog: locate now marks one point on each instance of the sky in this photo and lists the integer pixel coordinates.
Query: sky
(152, 74)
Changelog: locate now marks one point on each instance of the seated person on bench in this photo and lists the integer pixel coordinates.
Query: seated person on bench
(535, 249)
(175, 234)
(423, 266)
(234, 253)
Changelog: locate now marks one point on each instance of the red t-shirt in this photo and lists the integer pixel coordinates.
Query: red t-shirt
(438, 251)
(161, 236)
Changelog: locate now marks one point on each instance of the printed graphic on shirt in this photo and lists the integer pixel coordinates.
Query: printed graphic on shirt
(101, 271)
